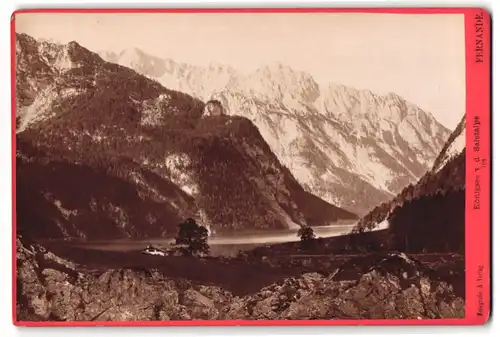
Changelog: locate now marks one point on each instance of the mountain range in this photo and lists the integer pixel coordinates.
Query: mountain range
(350, 147)
(104, 152)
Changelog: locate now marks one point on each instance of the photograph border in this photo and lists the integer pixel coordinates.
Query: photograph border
(477, 24)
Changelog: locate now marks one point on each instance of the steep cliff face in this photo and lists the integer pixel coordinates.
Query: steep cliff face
(432, 208)
(105, 152)
(350, 147)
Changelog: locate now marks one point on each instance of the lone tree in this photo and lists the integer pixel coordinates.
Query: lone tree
(194, 236)
(307, 236)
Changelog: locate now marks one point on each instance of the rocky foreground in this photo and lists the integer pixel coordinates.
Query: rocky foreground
(391, 286)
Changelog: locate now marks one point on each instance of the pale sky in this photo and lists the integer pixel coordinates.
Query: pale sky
(420, 57)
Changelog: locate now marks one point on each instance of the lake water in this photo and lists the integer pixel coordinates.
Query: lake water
(224, 244)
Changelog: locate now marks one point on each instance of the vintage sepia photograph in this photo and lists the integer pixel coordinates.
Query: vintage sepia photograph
(239, 166)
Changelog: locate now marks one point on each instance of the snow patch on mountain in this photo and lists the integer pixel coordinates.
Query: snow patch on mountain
(154, 110)
(70, 92)
(371, 169)
(134, 58)
(39, 110)
(179, 169)
(119, 215)
(56, 55)
(65, 212)
(146, 188)
(454, 146)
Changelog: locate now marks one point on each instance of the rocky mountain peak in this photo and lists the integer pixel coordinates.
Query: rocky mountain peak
(325, 134)
(277, 82)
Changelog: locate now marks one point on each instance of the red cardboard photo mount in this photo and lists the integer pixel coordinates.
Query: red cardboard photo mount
(477, 178)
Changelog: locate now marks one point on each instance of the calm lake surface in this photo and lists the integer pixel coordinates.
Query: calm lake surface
(223, 244)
